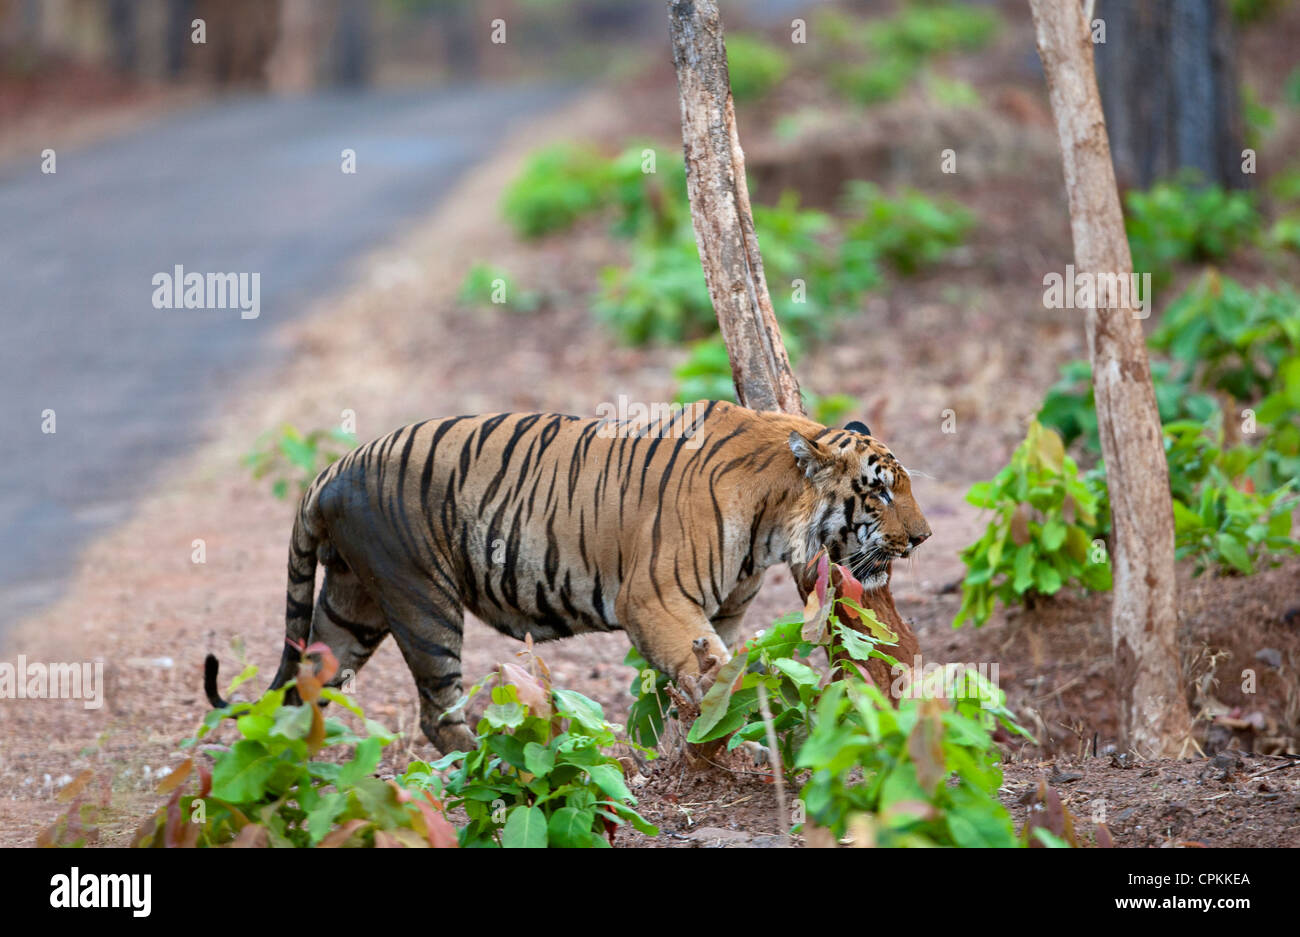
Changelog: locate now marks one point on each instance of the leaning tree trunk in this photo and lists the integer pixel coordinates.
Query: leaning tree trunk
(1169, 88)
(733, 267)
(1144, 617)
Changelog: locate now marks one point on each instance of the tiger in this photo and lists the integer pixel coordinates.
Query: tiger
(551, 525)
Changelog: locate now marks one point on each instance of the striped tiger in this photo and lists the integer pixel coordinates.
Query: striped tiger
(549, 525)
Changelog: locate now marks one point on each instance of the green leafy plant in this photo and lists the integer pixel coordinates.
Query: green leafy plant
(897, 48)
(295, 459)
(927, 29)
(882, 78)
(660, 296)
(1285, 233)
(1219, 522)
(650, 205)
(756, 66)
(1285, 185)
(273, 787)
(1180, 221)
(1230, 338)
(1069, 408)
(924, 773)
(486, 285)
(778, 660)
(558, 185)
(1244, 345)
(1040, 538)
(1258, 118)
(910, 231)
(539, 777)
(651, 704)
(706, 373)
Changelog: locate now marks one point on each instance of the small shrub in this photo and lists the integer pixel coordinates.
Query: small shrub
(660, 296)
(706, 373)
(1285, 186)
(1229, 338)
(538, 777)
(651, 705)
(930, 29)
(881, 79)
(1069, 409)
(559, 185)
(1181, 221)
(296, 459)
(756, 66)
(910, 231)
(1040, 539)
(1285, 233)
(485, 285)
(1258, 118)
(651, 205)
(1220, 523)
(925, 773)
(269, 789)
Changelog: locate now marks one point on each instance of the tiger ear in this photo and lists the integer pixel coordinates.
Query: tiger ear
(858, 427)
(811, 456)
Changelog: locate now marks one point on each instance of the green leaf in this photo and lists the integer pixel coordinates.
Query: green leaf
(525, 829)
(801, 674)
(509, 715)
(1046, 578)
(571, 828)
(1052, 535)
(586, 712)
(240, 775)
(538, 759)
(1230, 549)
(609, 778)
(714, 705)
(1024, 569)
(362, 765)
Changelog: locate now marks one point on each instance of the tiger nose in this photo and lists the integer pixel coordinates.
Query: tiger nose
(917, 539)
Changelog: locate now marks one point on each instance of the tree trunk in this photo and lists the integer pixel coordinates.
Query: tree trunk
(1168, 82)
(121, 31)
(352, 44)
(724, 223)
(1144, 617)
(733, 266)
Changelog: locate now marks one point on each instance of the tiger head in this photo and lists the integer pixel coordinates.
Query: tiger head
(857, 503)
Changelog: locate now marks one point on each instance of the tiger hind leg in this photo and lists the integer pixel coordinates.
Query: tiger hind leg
(347, 619)
(428, 622)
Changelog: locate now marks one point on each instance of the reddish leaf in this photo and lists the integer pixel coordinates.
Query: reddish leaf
(849, 588)
(529, 690)
(252, 836)
(75, 786)
(316, 737)
(823, 575)
(174, 832)
(925, 746)
(328, 664)
(177, 777)
(344, 833)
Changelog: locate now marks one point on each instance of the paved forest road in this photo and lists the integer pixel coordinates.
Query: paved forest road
(251, 185)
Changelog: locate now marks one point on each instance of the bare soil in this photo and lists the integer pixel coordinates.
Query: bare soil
(972, 337)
